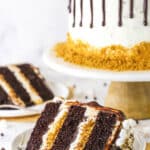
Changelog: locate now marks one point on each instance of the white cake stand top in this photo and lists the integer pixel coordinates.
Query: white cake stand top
(59, 65)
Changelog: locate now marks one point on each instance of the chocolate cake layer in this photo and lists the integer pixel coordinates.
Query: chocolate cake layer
(36, 81)
(4, 98)
(102, 130)
(16, 85)
(42, 124)
(69, 128)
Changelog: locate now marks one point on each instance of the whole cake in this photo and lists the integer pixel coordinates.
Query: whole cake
(70, 125)
(23, 85)
(108, 34)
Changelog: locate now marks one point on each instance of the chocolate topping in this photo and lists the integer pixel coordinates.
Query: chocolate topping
(120, 13)
(74, 13)
(131, 8)
(81, 9)
(104, 12)
(145, 12)
(69, 6)
(94, 104)
(92, 13)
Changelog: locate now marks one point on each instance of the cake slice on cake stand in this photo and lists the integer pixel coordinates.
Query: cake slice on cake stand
(120, 28)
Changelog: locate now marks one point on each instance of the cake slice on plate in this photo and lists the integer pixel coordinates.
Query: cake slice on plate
(71, 125)
(23, 85)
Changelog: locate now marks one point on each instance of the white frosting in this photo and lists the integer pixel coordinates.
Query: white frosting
(131, 32)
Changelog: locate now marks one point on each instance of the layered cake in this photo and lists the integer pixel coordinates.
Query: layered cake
(108, 34)
(71, 125)
(23, 85)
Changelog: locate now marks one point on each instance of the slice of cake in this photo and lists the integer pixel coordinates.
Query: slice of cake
(23, 85)
(71, 125)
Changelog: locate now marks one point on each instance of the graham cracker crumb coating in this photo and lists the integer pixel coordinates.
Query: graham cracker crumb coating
(114, 57)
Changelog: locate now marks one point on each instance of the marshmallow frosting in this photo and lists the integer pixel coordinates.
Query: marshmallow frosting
(110, 22)
(126, 137)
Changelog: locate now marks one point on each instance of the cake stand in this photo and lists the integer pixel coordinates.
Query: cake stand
(129, 91)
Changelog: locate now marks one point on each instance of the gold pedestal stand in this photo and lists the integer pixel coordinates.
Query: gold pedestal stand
(133, 98)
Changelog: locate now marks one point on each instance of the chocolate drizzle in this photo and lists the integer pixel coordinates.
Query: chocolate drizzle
(120, 13)
(81, 9)
(74, 13)
(145, 12)
(69, 6)
(104, 13)
(92, 13)
(131, 8)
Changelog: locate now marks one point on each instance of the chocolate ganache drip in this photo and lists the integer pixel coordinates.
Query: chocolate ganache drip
(74, 13)
(145, 12)
(104, 13)
(69, 6)
(131, 8)
(92, 13)
(81, 9)
(120, 11)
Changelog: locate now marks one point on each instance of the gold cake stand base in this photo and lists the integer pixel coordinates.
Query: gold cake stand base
(133, 98)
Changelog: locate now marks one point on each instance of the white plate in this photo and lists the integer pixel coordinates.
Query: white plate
(60, 65)
(21, 140)
(58, 89)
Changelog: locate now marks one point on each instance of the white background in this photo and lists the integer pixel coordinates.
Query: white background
(28, 26)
